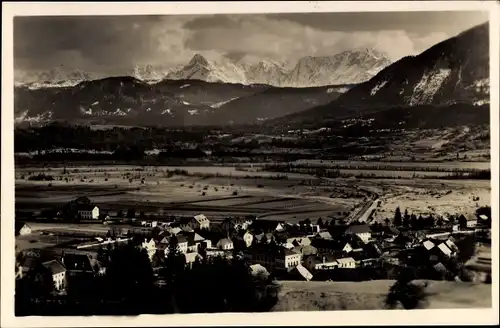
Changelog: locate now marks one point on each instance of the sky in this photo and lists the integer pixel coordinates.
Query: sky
(113, 45)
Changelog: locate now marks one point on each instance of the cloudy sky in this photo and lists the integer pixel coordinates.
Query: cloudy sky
(115, 44)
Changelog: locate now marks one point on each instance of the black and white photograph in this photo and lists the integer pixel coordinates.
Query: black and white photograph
(171, 163)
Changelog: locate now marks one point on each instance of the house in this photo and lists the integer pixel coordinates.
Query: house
(352, 246)
(285, 259)
(88, 212)
(225, 244)
(214, 252)
(325, 235)
(362, 231)
(182, 243)
(428, 245)
(191, 258)
(445, 250)
(58, 273)
(22, 228)
(321, 262)
(150, 247)
(194, 241)
(471, 223)
(327, 245)
(26, 264)
(346, 263)
(230, 224)
(78, 265)
(196, 222)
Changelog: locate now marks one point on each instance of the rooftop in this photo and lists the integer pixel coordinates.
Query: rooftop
(54, 266)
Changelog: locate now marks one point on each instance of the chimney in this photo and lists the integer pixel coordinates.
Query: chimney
(324, 260)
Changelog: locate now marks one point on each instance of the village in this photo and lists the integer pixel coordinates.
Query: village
(455, 248)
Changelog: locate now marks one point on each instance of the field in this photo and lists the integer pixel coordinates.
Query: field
(431, 196)
(215, 191)
(221, 191)
(370, 295)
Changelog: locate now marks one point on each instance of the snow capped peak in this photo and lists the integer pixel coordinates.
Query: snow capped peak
(199, 60)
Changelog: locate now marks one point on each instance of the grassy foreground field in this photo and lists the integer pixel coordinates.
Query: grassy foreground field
(370, 295)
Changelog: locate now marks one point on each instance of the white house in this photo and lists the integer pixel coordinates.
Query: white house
(58, 273)
(150, 247)
(471, 223)
(199, 221)
(363, 231)
(88, 212)
(346, 263)
(286, 259)
(225, 244)
(322, 262)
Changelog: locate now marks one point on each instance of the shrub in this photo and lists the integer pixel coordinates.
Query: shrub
(235, 193)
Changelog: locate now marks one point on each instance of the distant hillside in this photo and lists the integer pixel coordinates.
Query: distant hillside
(129, 101)
(451, 74)
(274, 102)
(453, 71)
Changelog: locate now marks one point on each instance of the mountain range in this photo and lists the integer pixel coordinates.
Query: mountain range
(348, 67)
(454, 72)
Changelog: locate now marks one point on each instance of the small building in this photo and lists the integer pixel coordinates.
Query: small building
(225, 244)
(285, 259)
(150, 247)
(197, 222)
(191, 258)
(22, 228)
(88, 212)
(347, 263)
(58, 273)
(362, 231)
(321, 262)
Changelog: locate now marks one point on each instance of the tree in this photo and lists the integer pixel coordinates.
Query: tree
(120, 214)
(397, 217)
(320, 223)
(462, 221)
(387, 221)
(410, 295)
(131, 213)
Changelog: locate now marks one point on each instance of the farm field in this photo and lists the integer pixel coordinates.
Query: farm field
(154, 191)
(220, 191)
(431, 196)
